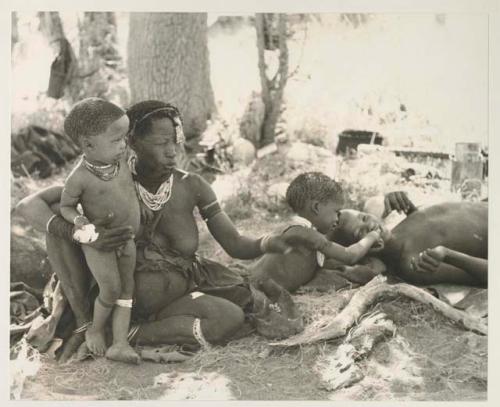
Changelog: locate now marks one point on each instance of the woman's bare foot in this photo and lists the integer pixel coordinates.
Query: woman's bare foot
(96, 341)
(71, 346)
(123, 352)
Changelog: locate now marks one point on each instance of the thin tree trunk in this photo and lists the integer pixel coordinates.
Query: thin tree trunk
(14, 35)
(51, 25)
(272, 88)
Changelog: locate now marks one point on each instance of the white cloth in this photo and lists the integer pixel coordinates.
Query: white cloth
(300, 221)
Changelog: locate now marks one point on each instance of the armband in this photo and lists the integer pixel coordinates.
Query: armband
(57, 226)
(210, 210)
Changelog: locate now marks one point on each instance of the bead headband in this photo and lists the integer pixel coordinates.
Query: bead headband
(179, 132)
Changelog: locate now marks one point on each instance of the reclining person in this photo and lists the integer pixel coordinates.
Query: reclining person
(443, 243)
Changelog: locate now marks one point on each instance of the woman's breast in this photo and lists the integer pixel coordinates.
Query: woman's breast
(179, 233)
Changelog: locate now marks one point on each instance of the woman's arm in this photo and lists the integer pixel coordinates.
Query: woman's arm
(223, 229)
(40, 207)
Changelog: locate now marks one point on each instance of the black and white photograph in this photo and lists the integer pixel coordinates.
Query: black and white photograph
(264, 205)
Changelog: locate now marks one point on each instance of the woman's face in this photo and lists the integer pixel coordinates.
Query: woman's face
(355, 225)
(158, 149)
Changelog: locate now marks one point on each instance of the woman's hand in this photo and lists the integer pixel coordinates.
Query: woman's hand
(398, 201)
(110, 238)
(275, 243)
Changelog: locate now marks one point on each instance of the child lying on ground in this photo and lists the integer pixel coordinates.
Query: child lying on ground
(102, 183)
(316, 199)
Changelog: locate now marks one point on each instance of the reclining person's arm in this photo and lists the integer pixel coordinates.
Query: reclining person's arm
(474, 266)
(314, 240)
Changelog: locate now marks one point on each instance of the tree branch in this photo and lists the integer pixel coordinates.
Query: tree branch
(371, 293)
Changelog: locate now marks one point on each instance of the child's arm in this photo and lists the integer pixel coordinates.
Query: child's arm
(316, 241)
(355, 252)
(70, 197)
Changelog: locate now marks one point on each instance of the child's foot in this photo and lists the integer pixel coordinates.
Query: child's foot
(123, 352)
(96, 341)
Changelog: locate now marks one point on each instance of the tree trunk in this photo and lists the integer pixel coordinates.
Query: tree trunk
(168, 61)
(14, 35)
(51, 25)
(98, 54)
(268, 33)
(64, 64)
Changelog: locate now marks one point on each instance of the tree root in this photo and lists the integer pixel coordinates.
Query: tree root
(340, 369)
(367, 295)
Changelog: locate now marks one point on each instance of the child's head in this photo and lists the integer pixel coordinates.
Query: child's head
(99, 127)
(316, 197)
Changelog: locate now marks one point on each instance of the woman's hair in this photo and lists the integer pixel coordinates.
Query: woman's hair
(312, 185)
(142, 114)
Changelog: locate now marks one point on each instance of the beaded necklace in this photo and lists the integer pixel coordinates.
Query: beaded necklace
(105, 172)
(155, 201)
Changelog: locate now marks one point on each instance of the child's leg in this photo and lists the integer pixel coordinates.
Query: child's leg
(121, 350)
(104, 268)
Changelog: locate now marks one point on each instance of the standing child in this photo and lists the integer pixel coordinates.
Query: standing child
(102, 183)
(317, 200)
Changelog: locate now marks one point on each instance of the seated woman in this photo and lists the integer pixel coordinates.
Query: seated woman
(443, 243)
(180, 298)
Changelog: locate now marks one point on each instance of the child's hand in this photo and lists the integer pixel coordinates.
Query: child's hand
(378, 245)
(80, 221)
(374, 234)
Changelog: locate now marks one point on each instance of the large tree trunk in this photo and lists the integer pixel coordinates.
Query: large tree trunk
(168, 61)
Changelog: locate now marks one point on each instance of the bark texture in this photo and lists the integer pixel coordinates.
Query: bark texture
(168, 60)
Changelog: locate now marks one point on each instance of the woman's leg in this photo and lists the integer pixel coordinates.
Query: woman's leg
(192, 320)
(68, 262)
